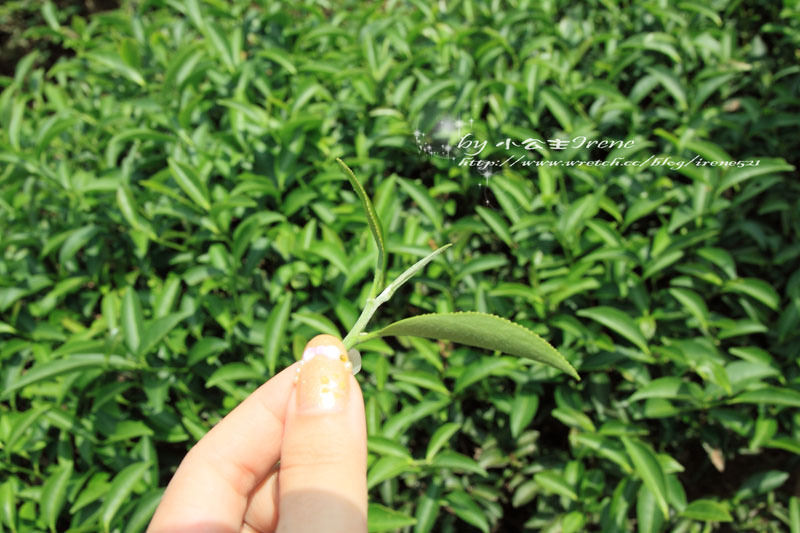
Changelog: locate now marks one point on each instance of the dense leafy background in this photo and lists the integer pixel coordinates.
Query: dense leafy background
(174, 228)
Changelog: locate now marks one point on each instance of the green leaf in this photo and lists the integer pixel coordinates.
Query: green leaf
(756, 288)
(737, 328)
(195, 14)
(761, 483)
(156, 330)
(661, 262)
(421, 197)
(702, 10)
(496, 223)
(574, 418)
(132, 320)
(693, 303)
(115, 64)
(671, 83)
(769, 396)
(742, 373)
(23, 422)
(482, 331)
(669, 387)
(457, 462)
(54, 494)
(573, 522)
(399, 422)
(648, 516)
(524, 493)
(184, 64)
(275, 330)
(204, 348)
(619, 322)
(233, 372)
(188, 181)
(421, 379)
(466, 509)
(523, 409)
(8, 504)
(647, 467)
(741, 174)
(120, 489)
(49, 14)
(167, 296)
(332, 253)
(604, 448)
(9, 295)
(380, 518)
(129, 53)
(555, 104)
(707, 511)
(439, 438)
(480, 370)
(15, 122)
(721, 258)
(659, 408)
(94, 490)
(127, 206)
(144, 511)
(794, 514)
(280, 57)
(554, 482)
(427, 93)
(128, 429)
(66, 365)
(428, 509)
(387, 447)
(76, 240)
(387, 467)
(374, 225)
(783, 442)
(764, 430)
(481, 263)
(641, 207)
(571, 222)
(64, 287)
(317, 322)
(676, 495)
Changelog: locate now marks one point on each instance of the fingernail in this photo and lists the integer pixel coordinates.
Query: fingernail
(323, 377)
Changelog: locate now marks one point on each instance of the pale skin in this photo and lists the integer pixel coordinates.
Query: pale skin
(291, 458)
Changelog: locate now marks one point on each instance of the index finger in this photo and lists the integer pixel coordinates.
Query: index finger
(211, 487)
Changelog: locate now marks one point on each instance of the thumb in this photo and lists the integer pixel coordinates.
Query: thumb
(322, 481)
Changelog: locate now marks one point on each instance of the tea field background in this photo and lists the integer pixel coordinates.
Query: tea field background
(174, 227)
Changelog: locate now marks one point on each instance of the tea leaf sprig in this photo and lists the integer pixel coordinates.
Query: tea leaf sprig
(480, 330)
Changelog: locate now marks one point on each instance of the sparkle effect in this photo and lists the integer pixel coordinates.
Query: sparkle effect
(441, 142)
(444, 141)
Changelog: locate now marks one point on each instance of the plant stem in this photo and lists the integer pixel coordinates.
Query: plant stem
(373, 303)
(361, 323)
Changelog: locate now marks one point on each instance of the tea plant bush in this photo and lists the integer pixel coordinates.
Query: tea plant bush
(174, 228)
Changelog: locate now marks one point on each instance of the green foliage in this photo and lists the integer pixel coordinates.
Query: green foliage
(175, 227)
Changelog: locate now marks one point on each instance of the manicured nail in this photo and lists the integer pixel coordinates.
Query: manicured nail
(323, 377)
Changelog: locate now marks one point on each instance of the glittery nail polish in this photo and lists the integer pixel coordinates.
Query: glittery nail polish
(323, 379)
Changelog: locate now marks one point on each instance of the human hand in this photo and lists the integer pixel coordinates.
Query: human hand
(231, 481)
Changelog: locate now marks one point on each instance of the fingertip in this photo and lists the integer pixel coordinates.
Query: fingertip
(325, 340)
(322, 480)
